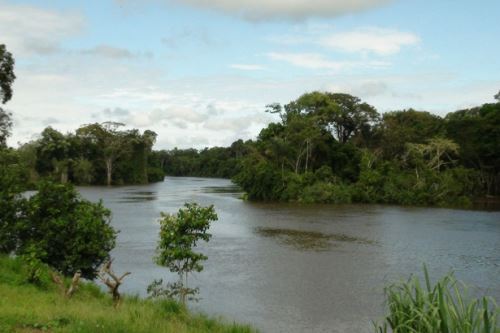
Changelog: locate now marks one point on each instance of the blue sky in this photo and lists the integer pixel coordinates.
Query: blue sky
(199, 72)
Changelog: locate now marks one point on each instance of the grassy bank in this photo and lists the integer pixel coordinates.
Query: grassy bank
(25, 307)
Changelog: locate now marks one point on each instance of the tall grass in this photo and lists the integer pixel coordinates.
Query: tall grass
(442, 308)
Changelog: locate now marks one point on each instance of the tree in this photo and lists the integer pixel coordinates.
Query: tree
(5, 127)
(342, 114)
(7, 75)
(408, 126)
(179, 234)
(497, 96)
(53, 154)
(111, 141)
(65, 231)
(352, 117)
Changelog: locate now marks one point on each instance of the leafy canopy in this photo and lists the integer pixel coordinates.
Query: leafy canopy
(7, 75)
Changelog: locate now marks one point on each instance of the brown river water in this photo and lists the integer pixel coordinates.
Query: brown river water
(302, 268)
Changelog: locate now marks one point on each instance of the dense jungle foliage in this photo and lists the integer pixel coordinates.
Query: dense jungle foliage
(334, 148)
(94, 154)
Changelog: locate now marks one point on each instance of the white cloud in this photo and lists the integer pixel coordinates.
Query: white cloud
(309, 60)
(108, 51)
(247, 67)
(376, 40)
(30, 30)
(318, 61)
(258, 10)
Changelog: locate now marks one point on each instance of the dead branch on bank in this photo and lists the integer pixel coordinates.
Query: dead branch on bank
(111, 280)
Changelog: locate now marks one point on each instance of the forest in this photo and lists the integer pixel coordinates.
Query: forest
(325, 148)
(94, 154)
(335, 148)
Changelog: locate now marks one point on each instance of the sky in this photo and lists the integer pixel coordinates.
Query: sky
(200, 72)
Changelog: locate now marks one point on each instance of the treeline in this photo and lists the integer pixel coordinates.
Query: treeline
(334, 148)
(93, 154)
(217, 162)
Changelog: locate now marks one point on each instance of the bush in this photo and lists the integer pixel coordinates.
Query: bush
(322, 192)
(65, 231)
(155, 175)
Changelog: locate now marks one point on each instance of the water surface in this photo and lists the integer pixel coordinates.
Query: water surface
(302, 268)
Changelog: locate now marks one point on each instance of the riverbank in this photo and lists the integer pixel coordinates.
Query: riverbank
(25, 307)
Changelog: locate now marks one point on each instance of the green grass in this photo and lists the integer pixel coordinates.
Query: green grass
(442, 308)
(25, 307)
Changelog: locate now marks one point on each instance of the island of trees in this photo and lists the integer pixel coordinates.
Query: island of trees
(335, 148)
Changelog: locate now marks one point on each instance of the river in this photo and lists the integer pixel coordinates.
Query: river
(301, 268)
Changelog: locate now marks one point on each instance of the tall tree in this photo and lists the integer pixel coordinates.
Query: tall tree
(53, 154)
(343, 115)
(497, 96)
(5, 127)
(353, 115)
(408, 126)
(7, 75)
(111, 141)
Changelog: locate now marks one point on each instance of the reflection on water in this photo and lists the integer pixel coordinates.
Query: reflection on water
(309, 240)
(132, 196)
(222, 189)
(301, 268)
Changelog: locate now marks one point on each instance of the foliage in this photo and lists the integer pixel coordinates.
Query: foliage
(326, 147)
(7, 78)
(209, 162)
(11, 201)
(7, 75)
(398, 128)
(95, 154)
(5, 127)
(64, 231)
(179, 234)
(323, 192)
(332, 148)
(442, 308)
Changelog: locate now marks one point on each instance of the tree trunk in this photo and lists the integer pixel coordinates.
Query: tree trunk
(307, 154)
(64, 175)
(109, 171)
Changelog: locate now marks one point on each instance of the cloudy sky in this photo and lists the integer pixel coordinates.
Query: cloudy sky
(199, 72)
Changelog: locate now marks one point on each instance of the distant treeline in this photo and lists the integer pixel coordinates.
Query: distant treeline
(327, 147)
(94, 154)
(217, 162)
(334, 148)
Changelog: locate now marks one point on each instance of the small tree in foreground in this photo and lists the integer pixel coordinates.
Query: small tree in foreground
(179, 234)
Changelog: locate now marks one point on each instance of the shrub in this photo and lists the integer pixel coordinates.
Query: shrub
(155, 175)
(322, 192)
(65, 231)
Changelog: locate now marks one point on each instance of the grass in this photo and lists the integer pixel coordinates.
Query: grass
(25, 307)
(442, 308)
